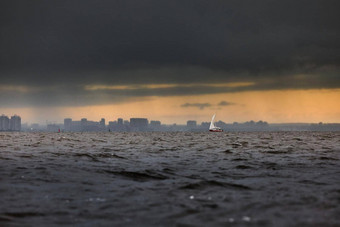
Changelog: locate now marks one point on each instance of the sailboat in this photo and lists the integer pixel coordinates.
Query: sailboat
(213, 127)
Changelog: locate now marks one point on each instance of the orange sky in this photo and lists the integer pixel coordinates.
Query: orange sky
(271, 106)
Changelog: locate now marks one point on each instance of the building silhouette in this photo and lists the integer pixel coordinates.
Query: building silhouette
(191, 124)
(15, 123)
(68, 124)
(139, 124)
(4, 123)
(155, 125)
(84, 125)
(7, 124)
(102, 123)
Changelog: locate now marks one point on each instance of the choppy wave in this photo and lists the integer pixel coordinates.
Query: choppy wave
(170, 179)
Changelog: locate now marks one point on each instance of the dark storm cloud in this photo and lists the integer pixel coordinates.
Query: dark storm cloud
(78, 95)
(70, 44)
(201, 106)
(225, 103)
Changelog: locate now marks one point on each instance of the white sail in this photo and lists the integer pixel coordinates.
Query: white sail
(212, 125)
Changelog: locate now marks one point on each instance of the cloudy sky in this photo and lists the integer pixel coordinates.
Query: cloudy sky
(172, 61)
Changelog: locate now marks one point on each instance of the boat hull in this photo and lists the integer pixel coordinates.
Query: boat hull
(215, 130)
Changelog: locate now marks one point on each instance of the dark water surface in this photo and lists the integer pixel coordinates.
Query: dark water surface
(170, 179)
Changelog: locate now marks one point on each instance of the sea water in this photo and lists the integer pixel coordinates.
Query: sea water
(170, 179)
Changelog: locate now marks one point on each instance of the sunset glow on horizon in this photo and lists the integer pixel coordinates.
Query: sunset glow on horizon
(286, 106)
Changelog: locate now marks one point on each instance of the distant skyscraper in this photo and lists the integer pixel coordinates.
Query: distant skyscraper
(102, 123)
(120, 125)
(83, 124)
(112, 125)
(191, 124)
(205, 125)
(15, 123)
(4, 123)
(155, 123)
(68, 124)
(83, 121)
(139, 124)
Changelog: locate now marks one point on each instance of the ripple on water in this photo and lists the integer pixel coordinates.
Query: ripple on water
(169, 179)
